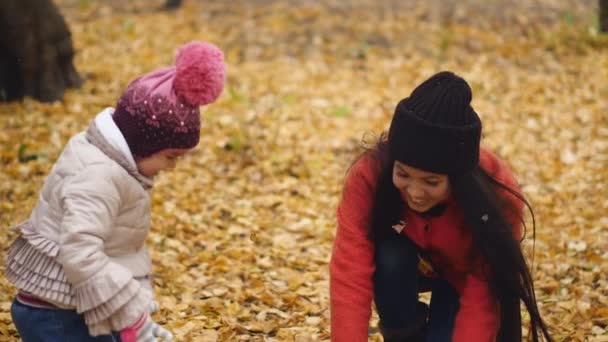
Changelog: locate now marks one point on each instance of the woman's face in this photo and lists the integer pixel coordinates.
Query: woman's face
(421, 190)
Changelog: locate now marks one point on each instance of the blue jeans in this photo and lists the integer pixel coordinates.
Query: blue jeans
(396, 287)
(53, 325)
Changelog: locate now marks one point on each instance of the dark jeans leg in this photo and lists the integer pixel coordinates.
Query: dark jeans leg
(444, 307)
(396, 283)
(52, 325)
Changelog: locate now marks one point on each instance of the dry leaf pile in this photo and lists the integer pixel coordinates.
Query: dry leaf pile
(242, 229)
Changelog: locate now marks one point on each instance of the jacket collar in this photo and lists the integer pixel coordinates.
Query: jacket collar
(105, 135)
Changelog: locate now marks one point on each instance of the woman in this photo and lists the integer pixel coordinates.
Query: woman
(428, 209)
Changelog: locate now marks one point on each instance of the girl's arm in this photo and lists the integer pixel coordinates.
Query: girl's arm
(352, 261)
(106, 292)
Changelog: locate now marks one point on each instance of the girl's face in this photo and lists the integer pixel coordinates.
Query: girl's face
(159, 161)
(421, 190)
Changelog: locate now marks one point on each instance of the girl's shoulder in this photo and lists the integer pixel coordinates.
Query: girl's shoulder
(83, 167)
(82, 153)
(81, 157)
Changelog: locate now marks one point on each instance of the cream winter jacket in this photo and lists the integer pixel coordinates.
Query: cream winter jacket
(83, 246)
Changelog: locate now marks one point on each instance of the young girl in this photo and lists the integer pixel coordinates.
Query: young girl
(427, 209)
(80, 262)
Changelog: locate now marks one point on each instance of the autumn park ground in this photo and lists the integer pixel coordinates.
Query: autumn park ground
(243, 228)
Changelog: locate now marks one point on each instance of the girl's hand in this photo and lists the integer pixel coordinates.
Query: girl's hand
(154, 306)
(145, 330)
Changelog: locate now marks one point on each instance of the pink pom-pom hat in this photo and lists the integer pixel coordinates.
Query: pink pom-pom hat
(160, 110)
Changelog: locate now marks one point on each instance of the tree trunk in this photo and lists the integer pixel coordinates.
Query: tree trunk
(603, 16)
(36, 52)
(173, 4)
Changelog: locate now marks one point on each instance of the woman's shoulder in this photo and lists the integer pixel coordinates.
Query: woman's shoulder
(367, 166)
(496, 167)
(361, 179)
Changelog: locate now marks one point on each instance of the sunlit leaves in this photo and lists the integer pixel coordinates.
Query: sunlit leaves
(242, 229)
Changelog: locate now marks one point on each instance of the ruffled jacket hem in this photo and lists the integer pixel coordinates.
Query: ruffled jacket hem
(31, 266)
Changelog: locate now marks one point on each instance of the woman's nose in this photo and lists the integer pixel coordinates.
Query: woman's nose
(414, 191)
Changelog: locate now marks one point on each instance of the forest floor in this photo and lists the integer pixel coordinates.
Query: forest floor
(243, 228)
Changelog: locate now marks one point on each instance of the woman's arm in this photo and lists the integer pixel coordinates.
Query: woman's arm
(478, 318)
(352, 264)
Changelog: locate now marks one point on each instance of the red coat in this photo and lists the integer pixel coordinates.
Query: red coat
(447, 240)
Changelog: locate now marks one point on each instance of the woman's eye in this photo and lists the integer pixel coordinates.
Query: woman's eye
(432, 183)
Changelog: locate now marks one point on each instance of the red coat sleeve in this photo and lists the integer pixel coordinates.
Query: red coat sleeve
(500, 171)
(352, 262)
(478, 318)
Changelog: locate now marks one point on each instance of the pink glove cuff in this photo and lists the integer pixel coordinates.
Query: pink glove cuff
(130, 334)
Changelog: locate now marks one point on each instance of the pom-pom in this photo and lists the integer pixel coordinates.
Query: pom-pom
(200, 73)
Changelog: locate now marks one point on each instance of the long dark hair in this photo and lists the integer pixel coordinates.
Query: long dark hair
(477, 194)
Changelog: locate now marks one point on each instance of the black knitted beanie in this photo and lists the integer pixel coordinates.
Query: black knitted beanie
(436, 129)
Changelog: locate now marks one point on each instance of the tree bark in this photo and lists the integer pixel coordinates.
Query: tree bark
(36, 51)
(173, 4)
(603, 16)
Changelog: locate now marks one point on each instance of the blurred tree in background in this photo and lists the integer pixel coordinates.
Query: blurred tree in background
(603, 15)
(36, 52)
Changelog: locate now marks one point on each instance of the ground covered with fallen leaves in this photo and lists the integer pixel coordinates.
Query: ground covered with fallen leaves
(243, 228)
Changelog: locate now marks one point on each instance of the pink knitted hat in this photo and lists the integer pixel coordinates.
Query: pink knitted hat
(160, 110)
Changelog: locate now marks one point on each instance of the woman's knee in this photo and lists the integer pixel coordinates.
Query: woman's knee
(396, 256)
